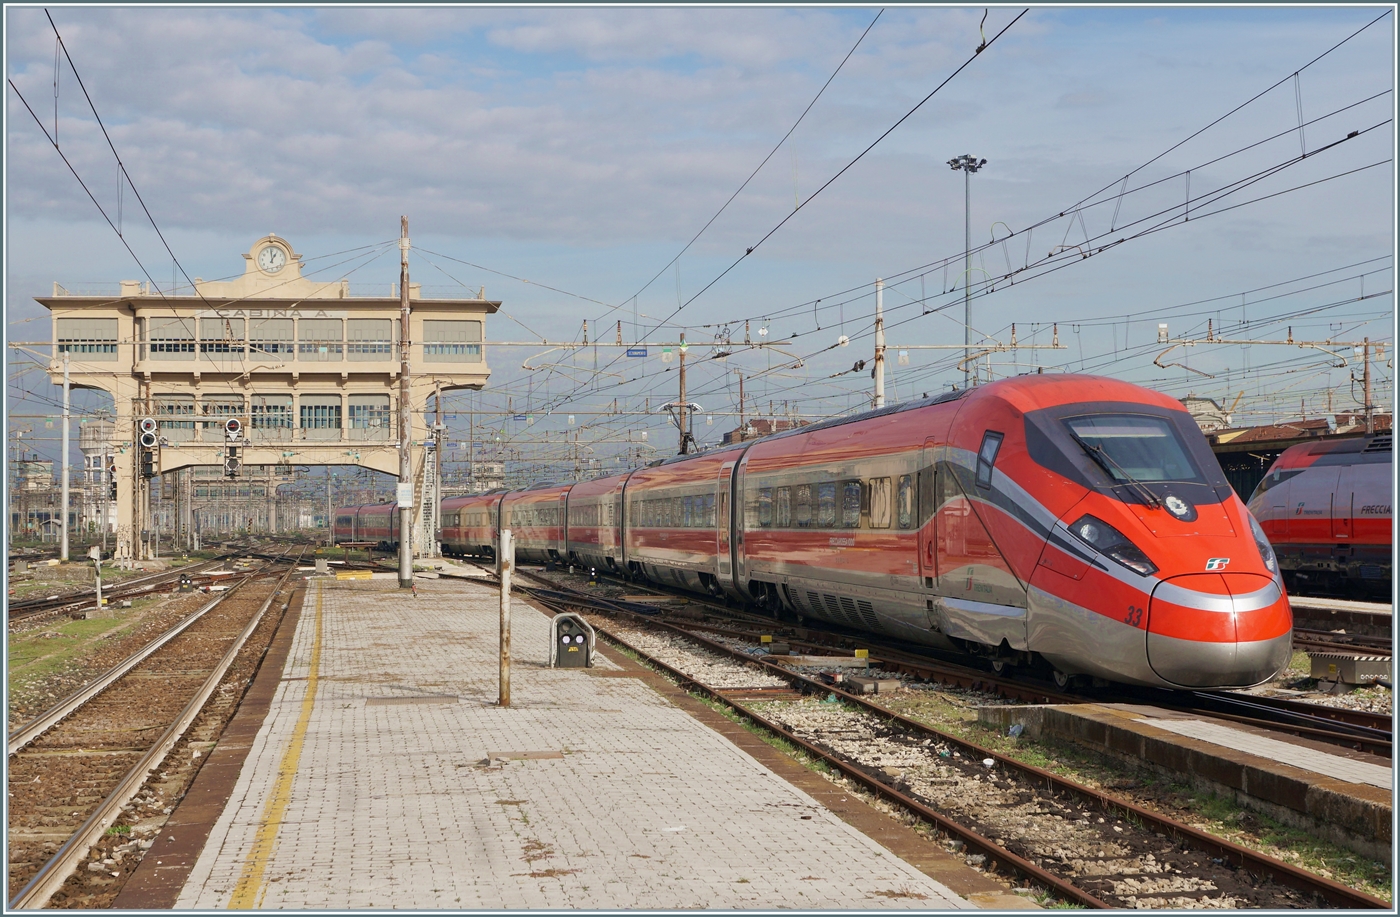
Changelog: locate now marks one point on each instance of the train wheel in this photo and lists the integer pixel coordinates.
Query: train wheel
(1063, 681)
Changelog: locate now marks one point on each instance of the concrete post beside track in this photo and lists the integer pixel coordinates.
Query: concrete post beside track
(507, 556)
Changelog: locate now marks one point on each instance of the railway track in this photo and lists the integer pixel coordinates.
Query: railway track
(71, 600)
(1353, 729)
(83, 771)
(1085, 846)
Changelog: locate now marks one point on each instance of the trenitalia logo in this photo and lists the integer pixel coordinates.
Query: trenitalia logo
(1217, 563)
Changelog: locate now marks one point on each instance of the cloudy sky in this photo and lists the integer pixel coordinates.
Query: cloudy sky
(582, 149)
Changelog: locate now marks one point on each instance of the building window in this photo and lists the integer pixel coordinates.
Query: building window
(221, 336)
(219, 408)
(170, 338)
(451, 341)
(270, 336)
(93, 339)
(319, 339)
(169, 407)
(271, 417)
(369, 416)
(320, 417)
(370, 339)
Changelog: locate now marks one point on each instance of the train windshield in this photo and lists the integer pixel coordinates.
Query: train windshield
(1135, 447)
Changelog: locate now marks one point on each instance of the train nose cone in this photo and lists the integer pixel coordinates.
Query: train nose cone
(1218, 629)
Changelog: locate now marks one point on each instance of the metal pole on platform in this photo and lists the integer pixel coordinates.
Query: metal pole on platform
(507, 556)
(405, 419)
(63, 514)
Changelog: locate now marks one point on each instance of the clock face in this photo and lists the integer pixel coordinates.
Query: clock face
(272, 259)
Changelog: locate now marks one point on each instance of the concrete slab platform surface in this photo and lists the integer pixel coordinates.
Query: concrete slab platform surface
(385, 774)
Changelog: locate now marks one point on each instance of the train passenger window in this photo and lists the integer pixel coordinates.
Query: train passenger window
(928, 503)
(850, 504)
(676, 511)
(765, 506)
(986, 457)
(905, 501)
(879, 503)
(709, 510)
(803, 514)
(783, 502)
(826, 504)
(687, 511)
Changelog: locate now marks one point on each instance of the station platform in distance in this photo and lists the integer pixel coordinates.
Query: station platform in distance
(372, 766)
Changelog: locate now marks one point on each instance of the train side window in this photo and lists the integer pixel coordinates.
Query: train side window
(783, 503)
(850, 504)
(687, 512)
(928, 503)
(676, 512)
(986, 457)
(710, 511)
(826, 505)
(803, 513)
(905, 501)
(879, 503)
(765, 506)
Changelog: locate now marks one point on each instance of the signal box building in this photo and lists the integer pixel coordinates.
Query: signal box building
(310, 370)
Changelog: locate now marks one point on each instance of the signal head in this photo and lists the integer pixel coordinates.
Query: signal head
(148, 440)
(147, 425)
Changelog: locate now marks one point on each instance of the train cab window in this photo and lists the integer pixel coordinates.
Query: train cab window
(802, 515)
(850, 504)
(765, 506)
(986, 457)
(879, 503)
(1135, 446)
(826, 505)
(905, 501)
(783, 507)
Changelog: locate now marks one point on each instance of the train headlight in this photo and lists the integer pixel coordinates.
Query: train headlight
(1266, 550)
(1107, 540)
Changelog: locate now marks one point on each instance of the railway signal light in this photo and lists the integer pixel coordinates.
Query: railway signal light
(233, 429)
(232, 464)
(147, 443)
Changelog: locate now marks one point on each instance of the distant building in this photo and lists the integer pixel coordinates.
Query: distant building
(34, 475)
(1207, 413)
(757, 428)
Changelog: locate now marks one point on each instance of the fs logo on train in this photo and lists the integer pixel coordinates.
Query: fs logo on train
(1217, 563)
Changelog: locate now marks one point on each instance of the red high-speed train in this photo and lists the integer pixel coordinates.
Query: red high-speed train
(1326, 509)
(1077, 520)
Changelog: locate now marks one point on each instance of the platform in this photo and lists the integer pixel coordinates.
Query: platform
(1366, 619)
(385, 774)
(1341, 795)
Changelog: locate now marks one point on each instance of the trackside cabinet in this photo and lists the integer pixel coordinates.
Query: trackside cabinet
(572, 643)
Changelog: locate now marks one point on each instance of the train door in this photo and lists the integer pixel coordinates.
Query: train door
(1342, 499)
(736, 526)
(927, 516)
(723, 546)
(562, 551)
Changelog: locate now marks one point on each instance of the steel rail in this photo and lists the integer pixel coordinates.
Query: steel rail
(56, 871)
(66, 707)
(1333, 892)
(973, 840)
(75, 596)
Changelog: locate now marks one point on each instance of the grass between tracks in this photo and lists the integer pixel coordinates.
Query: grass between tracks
(1176, 799)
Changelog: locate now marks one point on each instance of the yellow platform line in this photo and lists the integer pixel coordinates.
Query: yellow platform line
(249, 892)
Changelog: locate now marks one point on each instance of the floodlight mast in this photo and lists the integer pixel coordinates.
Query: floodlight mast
(967, 164)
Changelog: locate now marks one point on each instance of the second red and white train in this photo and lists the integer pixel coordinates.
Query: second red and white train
(1077, 520)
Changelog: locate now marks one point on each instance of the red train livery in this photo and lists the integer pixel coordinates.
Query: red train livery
(1326, 508)
(376, 522)
(1077, 520)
